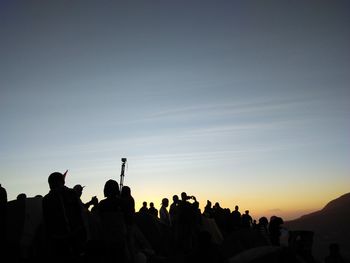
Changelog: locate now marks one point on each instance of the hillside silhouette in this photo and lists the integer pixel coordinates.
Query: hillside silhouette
(330, 224)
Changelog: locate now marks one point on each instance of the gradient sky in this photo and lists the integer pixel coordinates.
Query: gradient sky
(240, 102)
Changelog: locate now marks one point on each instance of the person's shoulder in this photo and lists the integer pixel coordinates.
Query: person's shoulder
(103, 202)
(101, 205)
(71, 194)
(49, 196)
(46, 197)
(69, 190)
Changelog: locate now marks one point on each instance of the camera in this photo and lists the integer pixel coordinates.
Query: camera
(124, 160)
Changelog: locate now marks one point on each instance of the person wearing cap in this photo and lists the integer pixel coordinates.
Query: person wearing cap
(79, 190)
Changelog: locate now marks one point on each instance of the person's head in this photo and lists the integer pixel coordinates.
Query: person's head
(165, 202)
(263, 221)
(151, 204)
(56, 180)
(236, 207)
(183, 196)
(111, 189)
(78, 189)
(208, 203)
(126, 191)
(144, 204)
(3, 195)
(247, 212)
(21, 196)
(175, 198)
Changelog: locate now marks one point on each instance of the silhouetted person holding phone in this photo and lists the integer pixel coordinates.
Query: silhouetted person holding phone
(79, 190)
(86, 215)
(187, 219)
(63, 220)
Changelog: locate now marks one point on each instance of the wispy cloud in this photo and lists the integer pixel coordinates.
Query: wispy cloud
(215, 110)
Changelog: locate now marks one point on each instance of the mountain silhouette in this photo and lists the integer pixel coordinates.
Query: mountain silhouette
(330, 225)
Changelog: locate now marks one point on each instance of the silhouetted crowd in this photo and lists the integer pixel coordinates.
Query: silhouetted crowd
(64, 229)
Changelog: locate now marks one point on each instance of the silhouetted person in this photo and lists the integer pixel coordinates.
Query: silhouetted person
(3, 214)
(208, 210)
(152, 210)
(21, 197)
(187, 219)
(163, 212)
(219, 216)
(3, 196)
(63, 220)
(247, 220)
(128, 209)
(236, 218)
(114, 231)
(144, 208)
(173, 210)
(88, 219)
(128, 205)
(262, 228)
(275, 229)
(112, 202)
(217, 207)
(334, 254)
(79, 190)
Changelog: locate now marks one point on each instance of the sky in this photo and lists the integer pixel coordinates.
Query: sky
(238, 102)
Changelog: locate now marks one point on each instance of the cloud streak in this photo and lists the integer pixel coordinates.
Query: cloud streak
(216, 110)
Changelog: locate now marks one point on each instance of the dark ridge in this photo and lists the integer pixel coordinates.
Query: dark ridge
(330, 224)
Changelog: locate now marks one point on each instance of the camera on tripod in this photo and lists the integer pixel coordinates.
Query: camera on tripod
(124, 160)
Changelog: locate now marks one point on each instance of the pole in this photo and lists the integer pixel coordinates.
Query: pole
(122, 174)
